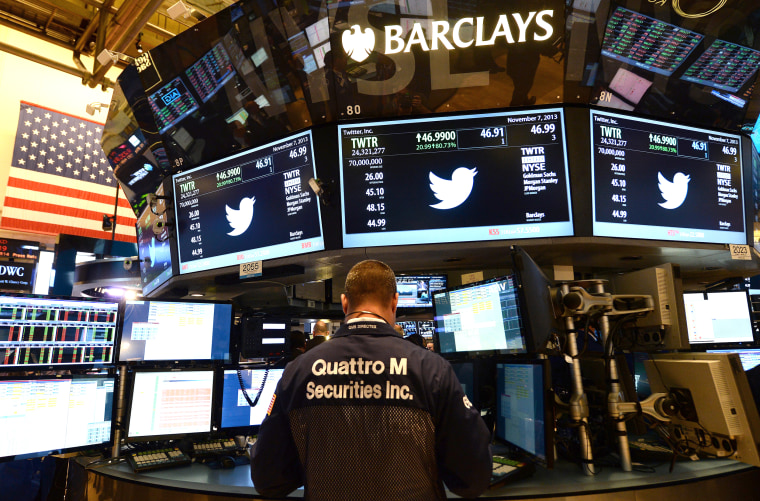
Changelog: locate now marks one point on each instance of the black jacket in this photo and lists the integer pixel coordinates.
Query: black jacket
(371, 416)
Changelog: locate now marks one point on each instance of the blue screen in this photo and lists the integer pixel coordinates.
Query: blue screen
(236, 411)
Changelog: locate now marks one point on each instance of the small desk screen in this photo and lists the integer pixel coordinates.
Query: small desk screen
(718, 317)
(38, 330)
(166, 404)
(167, 331)
(447, 179)
(259, 384)
(654, 180)
(251, 206)
(479, 318)
(44, 415)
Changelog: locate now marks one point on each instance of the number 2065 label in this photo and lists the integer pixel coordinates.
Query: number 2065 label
(252, 269)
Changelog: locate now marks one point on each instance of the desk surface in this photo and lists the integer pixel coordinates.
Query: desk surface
(565, 479)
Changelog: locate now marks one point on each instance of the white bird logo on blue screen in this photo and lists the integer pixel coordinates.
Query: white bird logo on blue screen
(673, 192)
(452, 193)
(241, 218)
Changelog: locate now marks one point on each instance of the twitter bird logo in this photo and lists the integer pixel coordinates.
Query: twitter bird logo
(452, 193)
(240, 219)
(673, 192)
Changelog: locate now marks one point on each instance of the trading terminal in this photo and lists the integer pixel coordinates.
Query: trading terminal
(567, 192)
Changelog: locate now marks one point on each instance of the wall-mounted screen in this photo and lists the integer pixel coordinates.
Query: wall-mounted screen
(154, 250)
(50, 414)
(660, 181)
(483, 317)
(447, 179)
(646, 42)
(416, 291)
(724, 65)
(157, 330)
(170, 404)
(255, 205)
(718, 318)
(47, 331)
(259, 384)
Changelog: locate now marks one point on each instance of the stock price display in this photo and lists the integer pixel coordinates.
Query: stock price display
(470, 178)
(252, 206)
(660, 181)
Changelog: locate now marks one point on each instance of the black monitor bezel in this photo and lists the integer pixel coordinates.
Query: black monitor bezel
(128, 402)
(701, 347)
(178, 362)
(459, 355)
(84, 375)
(70, 366)
(548, 400)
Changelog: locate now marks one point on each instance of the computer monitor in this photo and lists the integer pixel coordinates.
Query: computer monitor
(718, 319)
(715, 413)
(172, 330)
(235, 411)
(749, 357)
(524, 408)
(478, 319)
(42, 415)
(416, 291)
(169, 404)
(56, 332)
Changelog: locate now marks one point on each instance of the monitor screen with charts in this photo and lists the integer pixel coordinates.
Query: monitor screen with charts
(718, 318)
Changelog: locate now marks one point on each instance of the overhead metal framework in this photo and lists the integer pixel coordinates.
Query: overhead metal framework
(88, 27)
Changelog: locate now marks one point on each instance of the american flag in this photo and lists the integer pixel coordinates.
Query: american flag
(60, 181)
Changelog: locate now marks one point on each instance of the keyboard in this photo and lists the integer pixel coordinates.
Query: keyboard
(214, 448)
(506, 470)
(157, 459)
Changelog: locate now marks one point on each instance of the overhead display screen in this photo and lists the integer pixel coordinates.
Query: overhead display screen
(646, 42)
(255, 205)
(450, 179)
(660, 181)
(725, 66)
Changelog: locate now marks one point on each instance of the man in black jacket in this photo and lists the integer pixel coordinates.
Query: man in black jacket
(369, 415)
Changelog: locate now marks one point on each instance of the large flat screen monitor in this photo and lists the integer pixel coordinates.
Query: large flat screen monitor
(236, 410)
(164, 331)
(524, 403)
(660, 181)
(713, 411)
(715, 319)
(169, 404)
(416, 291)
(479, 318)
(724, 66)
(40, 415)
(38, 331)
(252, 206)
(446, 179)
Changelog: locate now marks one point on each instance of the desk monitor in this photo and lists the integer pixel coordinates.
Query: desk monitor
(426, 329)
(446, 179)
(715, 413)
(176, 330)
(42, 415)
(416, 291)
(749, 357)
(718, 319)
(664, 328)
(483, 318)
(656, 180)
(251, 206)
(236, 412)
(524, 408)
(44, 331)
(169, 404)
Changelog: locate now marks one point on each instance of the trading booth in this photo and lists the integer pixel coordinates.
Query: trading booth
(567, 191)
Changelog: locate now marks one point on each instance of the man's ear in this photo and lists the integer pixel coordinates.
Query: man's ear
(344, 303)
(394, 303)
